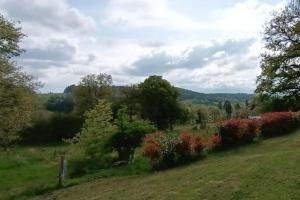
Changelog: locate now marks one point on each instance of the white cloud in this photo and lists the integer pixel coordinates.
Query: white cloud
(145, 13)
(200, 53)
(246, 18)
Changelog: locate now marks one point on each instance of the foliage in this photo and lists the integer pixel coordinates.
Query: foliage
(90, 89)
(280, 63)
(238, 131)
(166, 150)
(10, 37)
(276, 123)
(264, 103)
(215, 141)
(51, 128)
(159, 102)
(202, 116)
(127, 96)
(69, 89)
(97, 130)
(228, 108)
(60, 103)
(16, 87)
(129, 135)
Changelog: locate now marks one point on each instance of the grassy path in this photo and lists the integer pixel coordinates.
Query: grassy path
(268, 169)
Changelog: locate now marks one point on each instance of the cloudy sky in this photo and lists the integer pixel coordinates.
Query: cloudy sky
(202, 45)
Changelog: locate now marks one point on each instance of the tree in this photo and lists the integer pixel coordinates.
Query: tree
(129, 134)
(159, 102)
(280, 63)
(90, 89)
(96, 133)
(127, 97)
(16, 87)
(202, 116)
(220, 105)
(69, 89)
(228, 108)
(60, 103)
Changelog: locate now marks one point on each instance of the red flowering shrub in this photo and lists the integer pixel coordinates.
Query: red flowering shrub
(215, 141)
(238, 131)
(151, 147)
(276, 123)
(168, 150)
(188, 146)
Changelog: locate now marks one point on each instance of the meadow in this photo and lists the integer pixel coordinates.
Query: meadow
(265, 169)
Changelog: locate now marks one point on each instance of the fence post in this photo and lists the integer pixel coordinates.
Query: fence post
(62, 170)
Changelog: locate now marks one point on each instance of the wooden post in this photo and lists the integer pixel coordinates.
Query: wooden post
(62, 170)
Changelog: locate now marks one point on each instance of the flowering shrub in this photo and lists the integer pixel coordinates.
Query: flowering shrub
(296, 116)
(276, 123)
(215, 141)
(188, 146)
(165, 150)
(238, 131)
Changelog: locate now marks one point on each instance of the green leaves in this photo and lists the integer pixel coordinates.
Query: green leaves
(280, 64)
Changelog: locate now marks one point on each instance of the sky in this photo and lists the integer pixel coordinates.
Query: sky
(201, 45)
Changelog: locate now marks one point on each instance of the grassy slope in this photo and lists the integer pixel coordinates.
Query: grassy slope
(266, 170)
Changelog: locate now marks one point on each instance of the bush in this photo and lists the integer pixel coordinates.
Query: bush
(296, 116)
(238, 131)
(276, 123)
(93, 140)
(129, 135)
(215, 141)
(51, 129)
(165, 150)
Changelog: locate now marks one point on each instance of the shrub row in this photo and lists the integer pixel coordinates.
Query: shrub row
(165, 150)
(240, 131)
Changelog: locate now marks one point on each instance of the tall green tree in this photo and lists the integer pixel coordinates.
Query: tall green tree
(159, 102)
(280, 64)
(16, 87)
(129, 134)
(228, 108)
(92, 141)
(90, 89)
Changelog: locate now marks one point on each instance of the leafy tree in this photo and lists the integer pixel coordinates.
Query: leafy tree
(96, 133)
(69, 89)
(91, 88)
(129, 134)
(60, 103)
(202, 117)
(228, 108)
(159, 102)
(16, 87)
(128, 97)
(280, 63)
(10, 37)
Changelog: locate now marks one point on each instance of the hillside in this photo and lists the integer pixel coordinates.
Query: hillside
(211, 98)
(190, 96)
(257, 171)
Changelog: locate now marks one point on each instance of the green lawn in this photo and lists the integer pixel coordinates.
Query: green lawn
(32, 170)
(268, 169)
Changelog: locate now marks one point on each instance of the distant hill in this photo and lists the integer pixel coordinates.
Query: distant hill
(212, 98)
(187, 96)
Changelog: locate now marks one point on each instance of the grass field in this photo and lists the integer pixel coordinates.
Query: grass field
(267, 169)
(32, 170)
